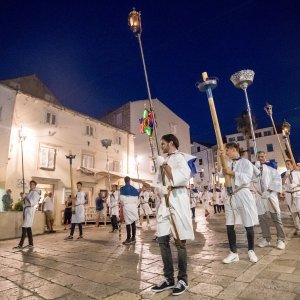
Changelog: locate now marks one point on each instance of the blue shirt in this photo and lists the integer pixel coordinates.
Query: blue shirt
(99, 204)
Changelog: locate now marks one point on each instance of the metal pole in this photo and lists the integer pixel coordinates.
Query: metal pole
(280, 145)
(244, 88)
(107, 163)
(23, 179)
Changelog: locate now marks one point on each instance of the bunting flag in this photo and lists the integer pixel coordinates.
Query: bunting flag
(190, 159)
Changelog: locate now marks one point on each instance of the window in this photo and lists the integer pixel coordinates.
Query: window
(198, 149)
(87, 161)
(89, 130)
(0, 113)
(252, 150)
(258, 134)
(47, 158)
(50, 119)
(118, 140)
(270, 147)
(266, 133)
(173, 128)
(240, 138)
(119, 119)
(231, 139)
(117, 166)
(200, 162)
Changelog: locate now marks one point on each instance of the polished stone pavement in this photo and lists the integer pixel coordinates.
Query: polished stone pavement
(100, 267)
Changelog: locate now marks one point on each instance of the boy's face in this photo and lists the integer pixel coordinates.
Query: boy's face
(79, 187)
(231, 152)
(289, 165)
(262, 157)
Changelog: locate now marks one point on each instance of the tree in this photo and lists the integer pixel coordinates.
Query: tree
(244, 127)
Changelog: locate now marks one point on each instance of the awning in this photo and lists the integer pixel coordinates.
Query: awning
(113, 175)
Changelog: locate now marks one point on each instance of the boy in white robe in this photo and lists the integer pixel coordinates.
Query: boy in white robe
(30, 202)
(113, 205)
(78, 217)
(291, 181)
(129, 200)
(240, 208)
(266, 187)
(144, 209)
(177, 176)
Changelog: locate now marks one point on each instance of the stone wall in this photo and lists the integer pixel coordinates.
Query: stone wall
(11, 224)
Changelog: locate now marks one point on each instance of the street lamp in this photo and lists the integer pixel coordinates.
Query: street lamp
(107, 143)
(242, 80)
(137, 162)
(22, 138)
(135, 24)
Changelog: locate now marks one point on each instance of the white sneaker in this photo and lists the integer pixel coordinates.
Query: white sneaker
(232, 257)
(280, 245)
(252, 256)
(264, 243)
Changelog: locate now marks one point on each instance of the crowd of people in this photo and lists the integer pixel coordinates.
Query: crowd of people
(251, 198)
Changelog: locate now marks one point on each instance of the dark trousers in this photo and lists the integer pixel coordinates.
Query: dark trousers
(215, 208)
(114, 222)
(73, 228)
(67, 215)
(29, 234)
(232, 238)
(222, 207)
(166, 254)
(131, 230)
(193, 212)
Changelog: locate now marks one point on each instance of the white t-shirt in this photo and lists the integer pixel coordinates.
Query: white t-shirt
(48, 204)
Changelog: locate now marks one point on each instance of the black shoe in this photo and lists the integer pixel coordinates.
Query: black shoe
(18, 247)
(132, 241)
(155, 239)
(180, 288)
(70, 237)
(80, 237)
(127, 242)
(162, 286)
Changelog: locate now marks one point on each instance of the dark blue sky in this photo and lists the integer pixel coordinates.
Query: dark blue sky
(86, 54)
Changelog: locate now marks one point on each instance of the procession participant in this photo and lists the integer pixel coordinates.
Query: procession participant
(193, 199)
(205, 200)
(78, 217)
(144, 209)
(129, 200)
(113, 205)
(240, 207)
(68, 212)
(291, 181)
(215, 198)
(222, 197)
(30, 201)
(266, 189)
(174, 215)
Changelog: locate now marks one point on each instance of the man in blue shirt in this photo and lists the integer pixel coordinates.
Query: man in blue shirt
(100, 211)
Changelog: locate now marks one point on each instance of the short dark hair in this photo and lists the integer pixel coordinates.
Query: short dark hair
(171, 138)
(233, 145)
(79, 182)
(288, 160)
(33, 181)
(127, 179)
(261, 151)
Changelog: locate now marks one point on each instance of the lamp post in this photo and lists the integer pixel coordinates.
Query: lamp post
(286, 129)
(137, 161)
(22, 138)
(135, 24)
(242, 80)
(107, 143)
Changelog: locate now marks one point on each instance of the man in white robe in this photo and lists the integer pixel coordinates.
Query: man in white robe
(30, 202)
(144, 209)
(113, 205)
(193, 199)
(78, 217)
(129, 200)
(266, 188)
(174, 215)
(240, 207)
(291, 181)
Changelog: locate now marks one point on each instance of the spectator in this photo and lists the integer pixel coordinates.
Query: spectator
(7, 201)
(100, 211)
(68, 212)
(48, 209)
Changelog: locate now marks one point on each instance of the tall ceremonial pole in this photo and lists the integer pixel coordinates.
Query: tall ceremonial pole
(286, 129)
(70, 157)
(242, 80)
(207, 85)
(135, 24)
(269, 111)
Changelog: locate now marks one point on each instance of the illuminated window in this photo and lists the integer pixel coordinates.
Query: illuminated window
(47, 158)
(87, 161)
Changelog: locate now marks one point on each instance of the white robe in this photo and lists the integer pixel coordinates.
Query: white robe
(179, 201)
(113, 203)
(205, 199)
(130, 205)
(79, 216)
(144, 209)
(30, 201)
(193, 198)
(215, 197)
(269, 179)
(292, 202)
(241, 208)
